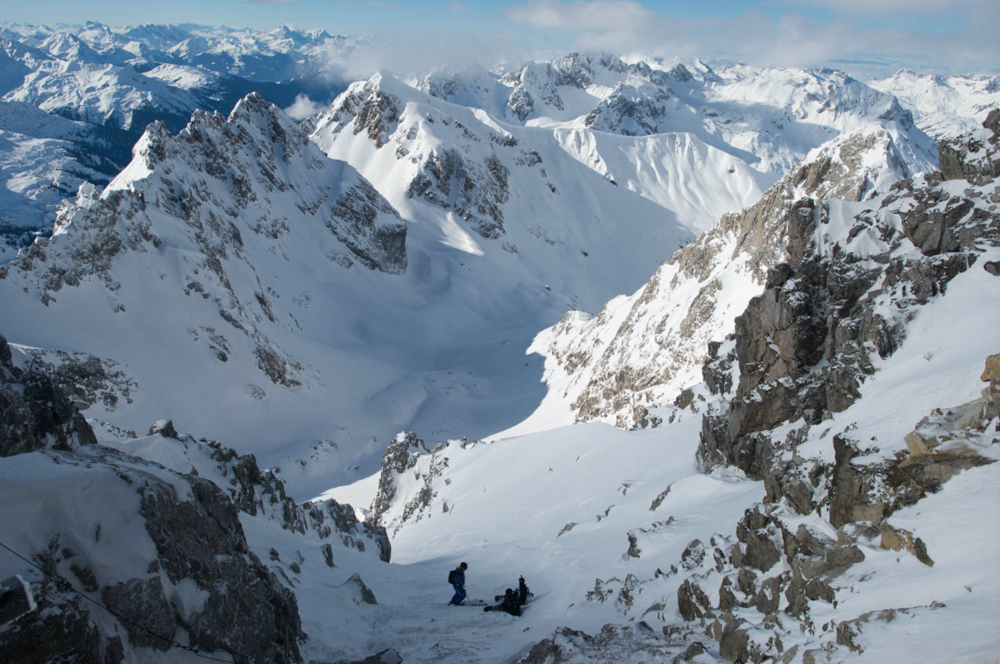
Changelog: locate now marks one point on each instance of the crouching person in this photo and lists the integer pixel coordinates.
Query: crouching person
(510, 604)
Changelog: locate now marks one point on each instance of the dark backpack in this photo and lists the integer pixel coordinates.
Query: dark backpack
(451, 577)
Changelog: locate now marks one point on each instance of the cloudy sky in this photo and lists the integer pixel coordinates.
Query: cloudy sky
(858, 35)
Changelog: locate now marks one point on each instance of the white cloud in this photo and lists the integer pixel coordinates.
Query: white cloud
(623, 26)
(582, 14)
(459, 8)
(302, 108)
(889, 7)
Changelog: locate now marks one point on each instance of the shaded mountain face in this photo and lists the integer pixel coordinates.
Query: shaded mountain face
(153, 532)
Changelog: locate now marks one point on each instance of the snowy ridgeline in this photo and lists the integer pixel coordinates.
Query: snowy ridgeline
(508, 225)
(76, 98)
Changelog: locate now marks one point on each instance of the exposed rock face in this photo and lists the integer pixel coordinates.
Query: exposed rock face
(406, 484)
(975, 158)
(629, 111)
(188, 566)
(373, 110)
(36, 413)
(648, 348)
(261, 493)
(400, 456)
(476, 192)
(805, 345)
(800, 352)
(171, 557)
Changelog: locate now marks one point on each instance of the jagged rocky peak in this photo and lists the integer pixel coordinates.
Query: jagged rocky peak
(406, 488)
(630, 110)
(220, 181)
(370, 105)
(536, 85)
(647, 349)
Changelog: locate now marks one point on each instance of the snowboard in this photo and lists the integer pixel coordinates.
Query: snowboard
(470, 602)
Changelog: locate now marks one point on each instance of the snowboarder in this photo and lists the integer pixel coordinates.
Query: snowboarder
(522, 593)
(509, 604)
(457, 580)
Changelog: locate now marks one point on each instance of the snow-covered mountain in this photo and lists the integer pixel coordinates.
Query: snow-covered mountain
(117, 80)
(301, 303)
(944, 106)
(770, 118)
(798, 439)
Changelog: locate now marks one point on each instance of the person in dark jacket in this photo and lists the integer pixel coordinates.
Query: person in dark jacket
(458, 583)
(509, 604)
(522, 592)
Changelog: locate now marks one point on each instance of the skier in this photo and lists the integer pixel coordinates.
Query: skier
(457, 580)
(509, 604)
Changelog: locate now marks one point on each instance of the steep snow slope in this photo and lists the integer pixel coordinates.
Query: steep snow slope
(944, 106)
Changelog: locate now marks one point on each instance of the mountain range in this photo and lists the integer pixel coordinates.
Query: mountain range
(674, 341)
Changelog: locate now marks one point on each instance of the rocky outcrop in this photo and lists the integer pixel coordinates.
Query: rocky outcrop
(839, 302)
(256, 492)
(373, 111)
(406, 484)
(476, 192)
(974, 158)
(37, 414)
(169, 558)
(630, 111)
